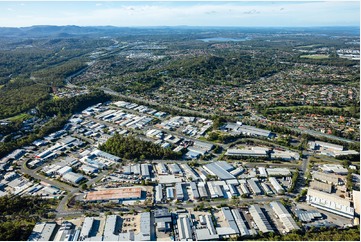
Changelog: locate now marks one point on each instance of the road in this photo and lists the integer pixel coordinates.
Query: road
(136, 99)
(25, 170)
(319, 134)
(62, 209)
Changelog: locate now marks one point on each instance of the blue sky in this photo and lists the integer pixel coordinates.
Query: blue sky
(171, 13)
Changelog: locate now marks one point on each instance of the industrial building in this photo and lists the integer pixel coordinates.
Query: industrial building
(285, 217)
(308, 216)
(220, 169)
(163, 219)
(260, 219)
(145, 168)
(202, 189)
(278, 172)
(184, 228)
(262, 172)
(252, 183)
(316, 145)
(43, 232)
(232, 225)
(179, 191)
(240, 223)
(72, 177)
(327, 178)
(190, 173)
(279, 189)
(251, 152)
(87, 228)
(174, 169)
(119, 194)
(158, 193)
(195, 192)
(330, 202)
(170, 193)
(324, 187)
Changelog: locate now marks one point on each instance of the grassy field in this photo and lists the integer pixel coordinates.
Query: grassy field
(316, 57)
(21, 117)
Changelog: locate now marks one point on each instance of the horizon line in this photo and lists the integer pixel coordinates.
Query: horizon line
(175, 26)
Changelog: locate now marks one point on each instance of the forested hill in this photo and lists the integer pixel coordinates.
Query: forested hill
(131, 147)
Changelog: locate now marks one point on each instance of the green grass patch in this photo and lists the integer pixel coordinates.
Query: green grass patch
(316, 56)
(21, 117)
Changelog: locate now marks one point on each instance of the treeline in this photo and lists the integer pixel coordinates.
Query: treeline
(324, 234)
(18, 215)
(63, 109)
(139, 84)
(20, 95)
(352, 111)
(50, 127)
(55, 75)
(130, 147)
(229, 69)
(285, 130)
(71, 105)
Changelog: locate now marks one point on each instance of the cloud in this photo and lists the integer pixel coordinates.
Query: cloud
(253, 11)
(193, 13)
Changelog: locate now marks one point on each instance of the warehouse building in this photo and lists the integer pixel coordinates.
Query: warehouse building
(219, 169)
(285, 217)
(260, 219)
(279, 189)
(324, 187)
(232, 225)
(262, 172)
(87, 228)
(327, 178)
(202, 189)
(330, 202)
(162, 169)
(209, 233)
(244, 188)
(145, 168)
(237, 171)
(195, 192)
(118, 194)
(278, 172)
(170, 193)
(316, 145)
(163, 219)
(252, 152)
(175, 169)
(159, 193)
(252, 183)
(179, 191)
(240, 223)
(184, 228)
(190, 173)
(308, 216)
(43, 232)
(72, 177)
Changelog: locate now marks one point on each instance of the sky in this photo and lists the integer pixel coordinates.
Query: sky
(172, 13)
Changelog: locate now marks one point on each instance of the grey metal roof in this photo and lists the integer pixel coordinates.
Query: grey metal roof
(229, 218)
(225, 165)
(194, 190)
(260, 219)
(219, 171)
(253, 185)
(240, 222)
(87, 227)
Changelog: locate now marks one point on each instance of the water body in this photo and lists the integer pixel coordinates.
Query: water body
(221, 39)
